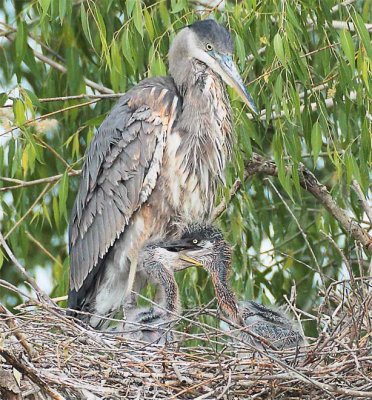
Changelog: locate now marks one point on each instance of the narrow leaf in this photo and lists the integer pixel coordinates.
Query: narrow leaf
(316, 141)
(348, 47)
(3, 99)
(279, 48)
(137, 17)
(363, 33)
(63, 193)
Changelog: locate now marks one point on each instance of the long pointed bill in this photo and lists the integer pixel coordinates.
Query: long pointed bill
(224, 66)
(232, 77)
(191, 260)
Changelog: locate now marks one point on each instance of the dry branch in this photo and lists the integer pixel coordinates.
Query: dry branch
(308, 181)
(367, 208)
(77, 363)
(41, 294)
(30, 373)
(21, 184)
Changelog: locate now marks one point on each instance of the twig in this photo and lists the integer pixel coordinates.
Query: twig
(24, 216)
(57, 65)
(73, 97)
(308, 181)
(41, 294)
(41, 247)
(344, 259)
(304, 235)
(362, 200)
(22, 184)
(9, 319)
(226, 388)
(53, 151)
(30, 373)
(222, 206)
(45, 116)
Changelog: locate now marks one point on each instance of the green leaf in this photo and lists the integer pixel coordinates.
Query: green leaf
(1, 258)
(45, 4)
(63, 193)
(35, 101)
(28, 158)
(56, 212)
(137, 17)
(130, 6)
(177, 6)
(3, 98)
(126, 49)
(279, 48)
(348, 47)
(363, 33)
(85, 24)
(149, 24)
(316, 141)
(240, 49)
(19, 112)
(46, 214)
(115, 56)
(21, 41)
(62, 9)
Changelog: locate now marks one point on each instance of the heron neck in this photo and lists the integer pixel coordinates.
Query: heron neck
(205, 121)
(225, 296)
(168, 292)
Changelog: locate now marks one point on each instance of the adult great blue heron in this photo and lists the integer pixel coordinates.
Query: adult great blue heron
(155, 160)
(205, 246)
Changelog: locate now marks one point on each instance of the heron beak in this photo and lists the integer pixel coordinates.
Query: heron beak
(178, 245)
(231, 76)
(191, 260)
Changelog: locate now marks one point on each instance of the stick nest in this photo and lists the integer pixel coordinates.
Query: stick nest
(45, 355)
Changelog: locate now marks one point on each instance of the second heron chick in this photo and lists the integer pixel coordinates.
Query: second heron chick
(154, 324)
(205, 246)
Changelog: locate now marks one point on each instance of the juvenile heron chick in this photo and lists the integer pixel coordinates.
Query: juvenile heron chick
(153, 324)
(271, 325)
(205, 246)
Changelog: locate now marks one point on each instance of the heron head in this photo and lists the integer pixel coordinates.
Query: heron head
(210, 43)
(202, 245)
(157, 253)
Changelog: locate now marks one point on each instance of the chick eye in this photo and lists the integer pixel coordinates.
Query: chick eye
(209, 47)
(195, 241)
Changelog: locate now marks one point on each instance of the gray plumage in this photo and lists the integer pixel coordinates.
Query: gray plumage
(273, 326)
(154, 324)
(154, 162)
(205, 246)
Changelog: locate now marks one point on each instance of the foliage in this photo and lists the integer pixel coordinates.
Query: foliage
(312, 74)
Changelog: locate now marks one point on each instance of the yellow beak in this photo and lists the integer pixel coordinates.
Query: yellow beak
(191, 260)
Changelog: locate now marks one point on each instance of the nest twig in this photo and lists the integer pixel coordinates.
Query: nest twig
(69, 361)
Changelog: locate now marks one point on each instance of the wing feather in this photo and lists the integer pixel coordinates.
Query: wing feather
(120, 171)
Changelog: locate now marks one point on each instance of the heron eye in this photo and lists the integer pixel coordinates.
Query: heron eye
(195, 241)
(209, 47)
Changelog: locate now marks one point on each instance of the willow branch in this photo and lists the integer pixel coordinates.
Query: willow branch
(308, 181)
(21, 184)
(56, 65)
(45, 116)
(223, 205)
(362, 200)
(41, 294)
